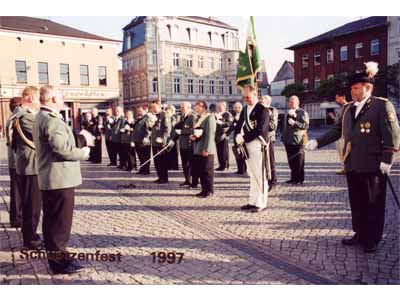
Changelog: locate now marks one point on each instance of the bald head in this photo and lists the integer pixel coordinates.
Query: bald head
(51, 97)
(186, 107)
(266, 100)
(237, 107)
(119, 111)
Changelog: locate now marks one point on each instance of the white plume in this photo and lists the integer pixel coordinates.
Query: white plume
(371, 68)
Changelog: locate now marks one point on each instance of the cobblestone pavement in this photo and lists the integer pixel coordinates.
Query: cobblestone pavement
(295, 241)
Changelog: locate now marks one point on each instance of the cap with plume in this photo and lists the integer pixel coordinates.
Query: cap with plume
(371, 68)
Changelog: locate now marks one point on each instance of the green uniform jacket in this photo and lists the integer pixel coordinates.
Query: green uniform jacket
(273, 123)
(9, 134)
(57, 156)
(161, 129)
(223, 128)
(185, 124)
(25, 152)
(373, 137)
(141, 131)
(295, 135)
(207, 140)
(125, 132)
(115, 129)
(109, 121)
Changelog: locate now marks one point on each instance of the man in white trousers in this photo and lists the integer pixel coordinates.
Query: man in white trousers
(252, 133)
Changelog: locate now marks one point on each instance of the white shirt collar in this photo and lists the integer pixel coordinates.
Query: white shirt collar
(361, 103)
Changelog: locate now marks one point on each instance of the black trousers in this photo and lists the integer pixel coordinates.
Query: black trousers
(241, 164)
(295, 155)
(204, 167)
(28, 186)
(112, 155)
(58, 207)
(124, 156)
(132, 158)
(91, 154)
(172, 157)
(144, 153)
(367, 194)
(161, 163)
(223, 154)
(118, 152)
(96, 158)
(271, 154)
(186, 157)
(15, 200)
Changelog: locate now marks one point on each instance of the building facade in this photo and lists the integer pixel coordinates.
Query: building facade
(40, 52)
(177, 59)
(393, 40)
(283, 78)
(341, 51)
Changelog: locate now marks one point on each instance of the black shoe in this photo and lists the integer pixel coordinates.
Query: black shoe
(157, 180)
(145, 173)
(33, 246)
(239, 173)
(193, 186)
(355, 240)
(15, 225)
(164, 181)
(76, 265)
(220, 169)
(247, 206)
(185, 183)
(256, 209)
(204, 194)
(370, 247)
(291, 181)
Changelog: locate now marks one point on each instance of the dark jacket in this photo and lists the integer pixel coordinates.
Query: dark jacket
(222, 128)
(373, 137)
(295, 134)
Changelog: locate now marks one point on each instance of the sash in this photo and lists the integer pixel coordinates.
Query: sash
(22, 135)
(201, 120)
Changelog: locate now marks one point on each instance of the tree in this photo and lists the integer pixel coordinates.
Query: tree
(330, 87)
(293, 89)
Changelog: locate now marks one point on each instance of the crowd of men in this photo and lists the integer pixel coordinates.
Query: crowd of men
(44, 155)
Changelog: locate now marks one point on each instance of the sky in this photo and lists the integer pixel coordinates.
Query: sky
(274, 33)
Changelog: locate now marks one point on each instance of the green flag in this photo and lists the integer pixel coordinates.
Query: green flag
(249, 61)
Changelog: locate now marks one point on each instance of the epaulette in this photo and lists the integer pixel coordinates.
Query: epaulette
(382, 99)
(53, 114)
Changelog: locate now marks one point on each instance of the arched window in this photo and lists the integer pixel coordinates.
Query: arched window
(154, 85)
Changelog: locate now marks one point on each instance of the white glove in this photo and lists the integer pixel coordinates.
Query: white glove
(132, 144)
(291, 122)
(122, 130)
(219, 122)
(385, 168)
(239, 139)
(152, 117)
(127, 127)
(111, 121)
(311, 145)
(178, 131)
(86, 151)
(223, 137)
(171, 143)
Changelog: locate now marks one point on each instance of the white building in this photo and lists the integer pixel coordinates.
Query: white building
(194, 57)
(393, 40)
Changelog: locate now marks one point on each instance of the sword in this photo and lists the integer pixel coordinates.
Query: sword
(157, 154)
(293, 156)
(393, 191)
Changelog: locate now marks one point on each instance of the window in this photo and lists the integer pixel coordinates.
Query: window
(329, 56)
(304, 61)
(212, 88)
(20, 68)
(154, 57)
(102, 75)
(201, 87)
(188, 35)
(229, 61)
(221, 87)
(190, 61)
(344, 55)
(190, 86)
(177, 86)
(211, 60)
(259, 76)
(221, 63)
(230, 90)
(201, 62)
(317, 58)
(169, 31)
(375, 47)
(317, 82)
(358, 50)
(43, 72)
(176, 59)
(64, 74)
(223, 40)
(84, 69)
(210, 37)
(305, 83)
(330, 76)
(154, 85)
